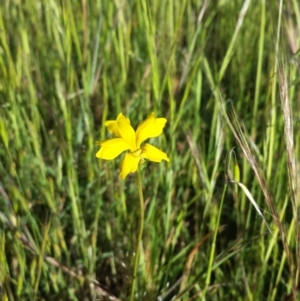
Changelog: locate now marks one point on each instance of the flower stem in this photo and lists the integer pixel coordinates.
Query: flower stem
(213, 247)
(140, 234)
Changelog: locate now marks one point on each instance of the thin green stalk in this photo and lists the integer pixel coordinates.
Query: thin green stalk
(213, 247)
(259, 65)
(140, 234)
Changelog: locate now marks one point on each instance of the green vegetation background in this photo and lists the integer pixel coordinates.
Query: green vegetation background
(225, 74)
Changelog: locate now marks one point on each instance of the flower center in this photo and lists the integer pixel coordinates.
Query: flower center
(138, 153)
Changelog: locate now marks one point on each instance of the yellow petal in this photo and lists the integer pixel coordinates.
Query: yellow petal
(112, 148)
(151, 127)
(152, 153)
(127, 133)
(129, 164)
(112, 125)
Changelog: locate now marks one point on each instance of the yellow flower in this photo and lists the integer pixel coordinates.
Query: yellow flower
(128, 139)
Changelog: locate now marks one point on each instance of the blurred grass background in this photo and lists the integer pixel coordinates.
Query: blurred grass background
(226, 76)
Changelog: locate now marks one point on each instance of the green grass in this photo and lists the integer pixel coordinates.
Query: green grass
(226, 76)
